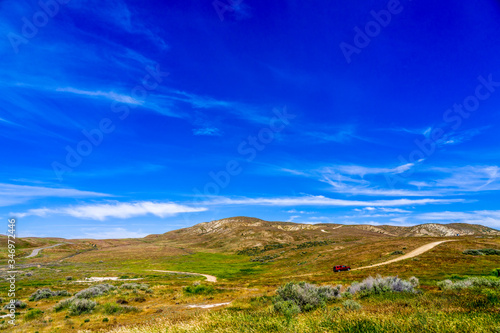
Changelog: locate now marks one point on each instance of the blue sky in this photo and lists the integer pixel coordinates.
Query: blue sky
(126, 118)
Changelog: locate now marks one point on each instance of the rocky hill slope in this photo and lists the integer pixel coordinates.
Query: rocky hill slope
(242, 232)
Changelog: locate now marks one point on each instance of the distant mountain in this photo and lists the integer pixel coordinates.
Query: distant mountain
(242, 232)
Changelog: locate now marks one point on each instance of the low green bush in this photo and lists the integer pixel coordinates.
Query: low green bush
(351, 305)
(480, 252)
(397, 252)
(200, 289)
(33, 314)
(496, 272)
(111, 308)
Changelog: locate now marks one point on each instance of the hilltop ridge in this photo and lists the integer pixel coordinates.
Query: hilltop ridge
(241, 231)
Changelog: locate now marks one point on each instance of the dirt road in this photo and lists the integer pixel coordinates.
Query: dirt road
(35, 252)
(210, 278)
(414, 253)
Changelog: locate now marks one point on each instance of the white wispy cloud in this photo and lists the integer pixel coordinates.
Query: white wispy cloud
(484, 217)
(463, 179)
(382, 209)
(11, 194)
(110, 233)
(208, 131)
(120, 210)
(361, 171)
(104, 94)
(325, 201)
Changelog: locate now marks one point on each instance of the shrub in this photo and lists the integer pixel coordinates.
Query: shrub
(490, 252)
(86, 320)
(288, 308)
(105, 320)
(265, 258)
(253, 251)
(17, 304)
(480, 252)
(94, 291)
(313, 244)
(47, 293)
(397, 252)
(351, 305)
(141, 286)
(79, 306)
(139, 299)
(63, 304)
(473, 252)
(111, 308)
(69, 278)
(381, 285)
(33, 314)
(474, 282)
(200, 289)
(496, 272)
(304, 295)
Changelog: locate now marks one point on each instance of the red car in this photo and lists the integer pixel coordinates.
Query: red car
(341, 268)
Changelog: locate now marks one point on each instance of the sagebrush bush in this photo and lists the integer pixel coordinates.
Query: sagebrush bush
(200, 289)
(95, 291)
(473, 282)
(47, 293)
(351, 305)
(80, 306)
(304, 295)
(379, 285)
(141, 286)
(63, 304)
(17, 304)
(397, 252)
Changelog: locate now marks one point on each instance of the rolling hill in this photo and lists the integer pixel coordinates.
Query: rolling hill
(242, 232)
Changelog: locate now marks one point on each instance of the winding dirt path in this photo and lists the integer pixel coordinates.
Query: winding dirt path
(414, 253)
(35, 252)
(210, 278)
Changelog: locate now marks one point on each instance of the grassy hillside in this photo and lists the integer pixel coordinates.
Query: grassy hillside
(251, 258)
